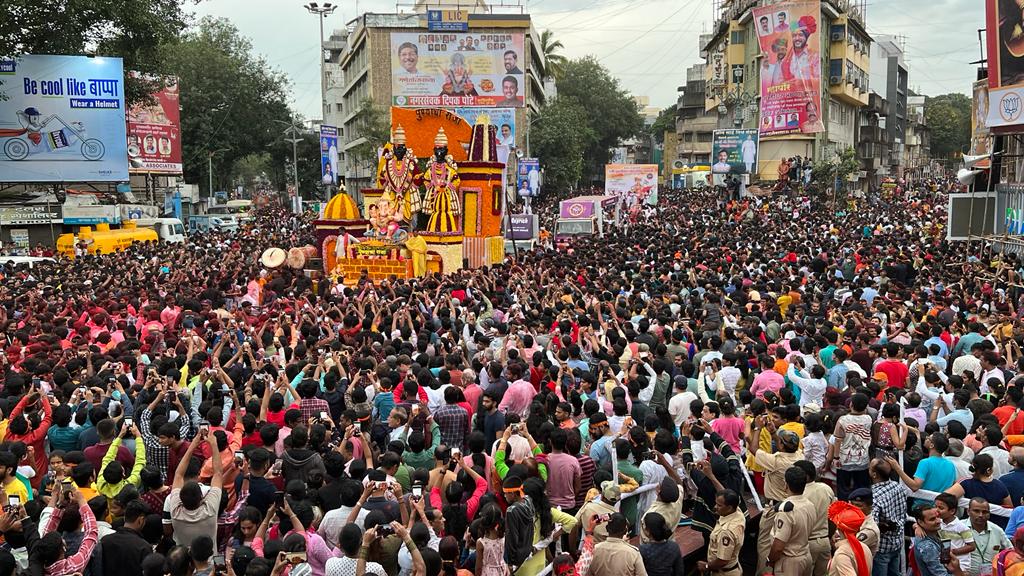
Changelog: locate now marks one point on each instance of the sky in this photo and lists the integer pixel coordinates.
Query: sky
(646, 44)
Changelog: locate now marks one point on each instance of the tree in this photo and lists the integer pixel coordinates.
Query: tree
(612, 114)
(560, 140)
(130, 29)
(826, 171)
(949, 118)
(554, 63)
(230, 99)
(373, 123)
(666, 121)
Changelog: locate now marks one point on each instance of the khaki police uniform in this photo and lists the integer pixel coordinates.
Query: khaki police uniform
(870, 534)
(775, 491)
(726, 541)
(821, 497)
(794, 520)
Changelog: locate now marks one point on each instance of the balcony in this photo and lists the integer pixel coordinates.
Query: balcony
(877, 104)
(873, 134)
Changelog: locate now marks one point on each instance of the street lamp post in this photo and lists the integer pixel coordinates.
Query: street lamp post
(322, 11)
(293, 132)
(209, 166)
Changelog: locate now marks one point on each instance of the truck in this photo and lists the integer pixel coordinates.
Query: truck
(168, 229)
(103, 240)
(215, 222)
(583, 216)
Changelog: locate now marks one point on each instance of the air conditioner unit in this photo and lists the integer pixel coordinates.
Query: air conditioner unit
(837, 36)
(834, 80)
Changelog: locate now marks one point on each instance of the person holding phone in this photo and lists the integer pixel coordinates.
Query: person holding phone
(928, 548)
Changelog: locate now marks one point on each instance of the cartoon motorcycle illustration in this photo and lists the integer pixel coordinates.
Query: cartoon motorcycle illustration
(19, 141)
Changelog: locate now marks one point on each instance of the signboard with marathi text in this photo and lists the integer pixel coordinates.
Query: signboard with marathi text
(789, 36)
(154, 132)
(458, 69)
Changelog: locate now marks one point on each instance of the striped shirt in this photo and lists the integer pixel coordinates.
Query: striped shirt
(587, 469)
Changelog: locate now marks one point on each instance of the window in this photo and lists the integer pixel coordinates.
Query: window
(736, 37)
(704, 137)
(835, 68)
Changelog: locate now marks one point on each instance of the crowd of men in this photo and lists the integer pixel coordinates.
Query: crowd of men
(721, 386)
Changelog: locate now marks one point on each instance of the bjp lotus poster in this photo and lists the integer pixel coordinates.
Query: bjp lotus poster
(788, 34)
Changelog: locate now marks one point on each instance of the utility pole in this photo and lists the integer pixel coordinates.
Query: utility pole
(209, 166)
(293, 135)
(322, 11)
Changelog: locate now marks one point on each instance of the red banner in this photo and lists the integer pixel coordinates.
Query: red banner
(788, 34)
(154, 133)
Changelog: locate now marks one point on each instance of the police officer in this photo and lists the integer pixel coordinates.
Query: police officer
(790, 554)
(869, 532)
(726, 538)
(774, 466)
(820, 496)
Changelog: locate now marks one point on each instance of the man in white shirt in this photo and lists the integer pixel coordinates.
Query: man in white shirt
(812, 388)
(991, 437)
(679, 404)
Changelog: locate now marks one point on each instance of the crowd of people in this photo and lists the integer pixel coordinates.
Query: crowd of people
(719, 386)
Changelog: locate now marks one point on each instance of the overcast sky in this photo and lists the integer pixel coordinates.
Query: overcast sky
(647, 44)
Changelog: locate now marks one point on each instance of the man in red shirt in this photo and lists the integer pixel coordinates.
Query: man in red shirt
(893, 367)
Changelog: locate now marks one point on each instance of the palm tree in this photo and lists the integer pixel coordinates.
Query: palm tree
(554, 62)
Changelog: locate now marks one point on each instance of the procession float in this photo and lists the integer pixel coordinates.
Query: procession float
(438, 216)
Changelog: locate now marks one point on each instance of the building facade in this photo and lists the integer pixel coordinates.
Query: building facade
(734, 66)
(917, 147)
(889, 77)
(365, 66)
(873, 143)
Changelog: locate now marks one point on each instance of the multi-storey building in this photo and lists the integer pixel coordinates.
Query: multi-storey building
(735, 65)
(368, 62)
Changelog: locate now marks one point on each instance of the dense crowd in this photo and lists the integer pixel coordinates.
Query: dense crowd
(725, 386)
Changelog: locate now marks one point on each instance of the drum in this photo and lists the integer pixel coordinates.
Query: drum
(296, 259)
(273, 257)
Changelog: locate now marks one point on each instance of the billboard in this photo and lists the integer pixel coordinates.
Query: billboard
(457, 69)
(735, 151)
(329, 163)
(154, 132)
(639, 180)
(503, 118)
(788, 34)
(92, 214)
(528, 177)
(1005, 39)
(63, 120)
(980, 139)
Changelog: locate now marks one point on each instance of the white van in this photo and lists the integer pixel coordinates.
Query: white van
(206, 222)
(168, 229)
(30, 260)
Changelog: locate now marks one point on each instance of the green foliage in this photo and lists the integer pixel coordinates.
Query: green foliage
(554, 63)
(611, 114)
(230, 98)
(949, 118)
(666, 121)
(825, 171)
(251, 168)
(130, 29)
(560, 140)
(374, 125)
